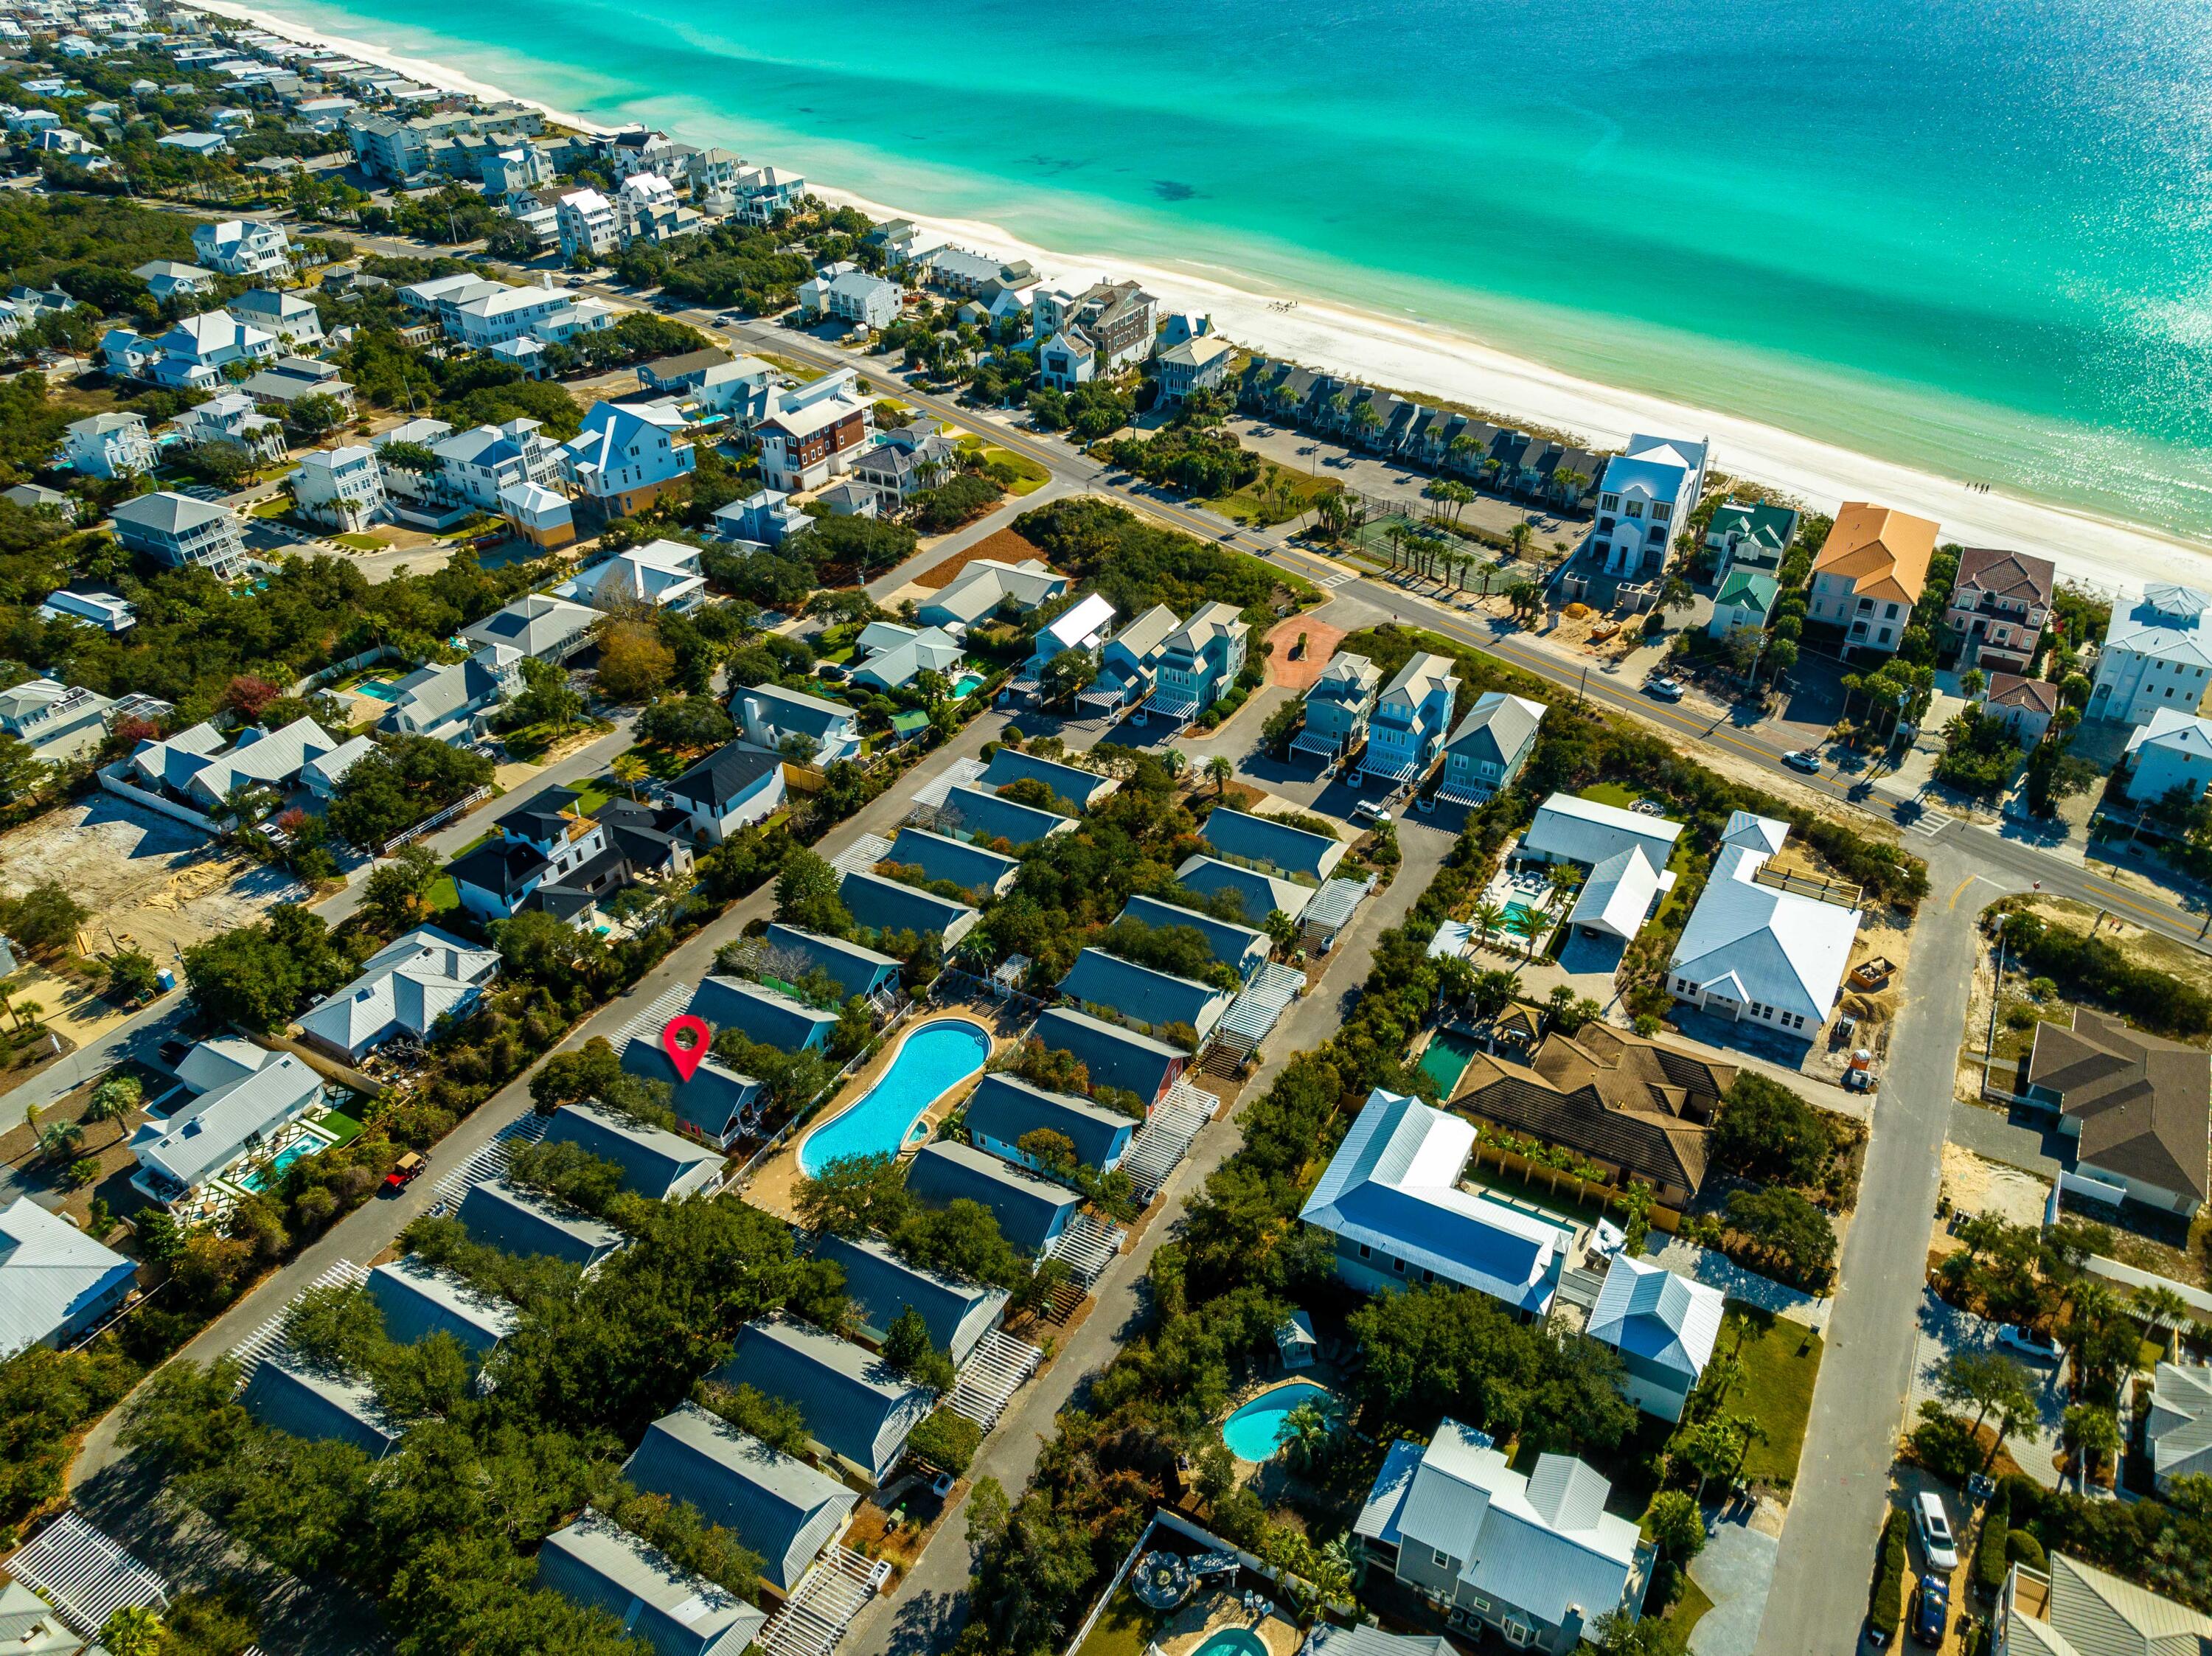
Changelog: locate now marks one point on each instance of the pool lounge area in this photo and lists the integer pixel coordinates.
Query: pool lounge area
(931, 1060)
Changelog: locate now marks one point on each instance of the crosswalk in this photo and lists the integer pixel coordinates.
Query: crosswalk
(1930, 823)
(1334, 581)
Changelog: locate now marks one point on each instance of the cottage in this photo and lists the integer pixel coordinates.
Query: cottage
(1158, 1002)
(2026, 706)
(1567, 828)
(56, 1281)
(1260, 842)
(404, 988)
(2179, 1430)
(1261, 894)
(1745, 603)
(762, 1015)
(453, 704)
(663, 575)
(777, 1505)
(795, 954)
(976, 872)
(654, 1163)
(1031, 1211)
(711, 1103)
(1242, 949)
(2172, 752)
(523, 1223)
(1003, 1109)
(2076, 1609)
(883, 1286)
(896, 656)
(322, 1405)
(985, 587)
(1082, 627)
(1112, 1055)
(1491, 745)
(1664, 1325)
(1079, 787)
(417, 1299)
(596, 1564)
(857, 1407)
(888, 905)
(989, 816)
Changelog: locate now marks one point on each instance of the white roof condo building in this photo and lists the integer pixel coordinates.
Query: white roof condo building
(1391, 1197)
(2157, 655)
(1754, 949)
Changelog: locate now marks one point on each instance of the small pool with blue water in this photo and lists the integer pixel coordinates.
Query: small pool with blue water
(934, 1058)
(1257, 1431)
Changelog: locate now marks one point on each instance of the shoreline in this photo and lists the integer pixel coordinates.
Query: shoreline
(2101, 553)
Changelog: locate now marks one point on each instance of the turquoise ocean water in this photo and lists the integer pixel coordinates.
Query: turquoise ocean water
(1970, 236)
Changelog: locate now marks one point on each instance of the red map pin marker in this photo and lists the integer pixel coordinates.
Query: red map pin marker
(685, 1041)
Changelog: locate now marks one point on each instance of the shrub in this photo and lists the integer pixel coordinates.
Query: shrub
(1989, 1559)
(1888, 1609)
(2021, 1548)
(1945, 1446)
(947, 1441)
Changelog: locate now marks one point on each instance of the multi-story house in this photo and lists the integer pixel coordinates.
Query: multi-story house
(297, 324)
(639, 149)
(108, 445)
(646, 209)
(759, 193)
(1198, 664)
(1746, 599)
(180, 531)
(1196, 364)
(851, 294)
(191, 355)
(588, 225)
(1491, 745)
(450, 703)
(2155, 655)
(1107, 326)
(231, 417)
(340, 488)
(711, 172)
(897, 472)
(244, 248)
(814, 432)
(769, 715)
(167, 279)
(475, 466)
(1412, 717)
(1998, 606)
(2173, 750)
(550, 855)
(289, 381)
(2073, 1609)
(1869, 574)
(57, 721)
(1751, 536)
(1337, 707)
(1647, 493)
(627, 454)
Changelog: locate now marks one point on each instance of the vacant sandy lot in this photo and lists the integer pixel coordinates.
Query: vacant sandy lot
(146, 879)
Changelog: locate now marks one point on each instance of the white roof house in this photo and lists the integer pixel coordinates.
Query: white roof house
(2077, 1610)
(1663, 1325)
(201, 1138)
(1391, 1197)
(1535, 1554)
(2157, 654)
(986, 583)
(1755, 950)
(55, 1281)
(536, 625)
(406, 986)
(2180, 1430)
(2174, 750)
(1081, 626)
(664, 574)
(1617, 897)
(1569, 829)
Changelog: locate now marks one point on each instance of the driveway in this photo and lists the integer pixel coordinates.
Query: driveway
(1736, 1572)
(1945, 1330)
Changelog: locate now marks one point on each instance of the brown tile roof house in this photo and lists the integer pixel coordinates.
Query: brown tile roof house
(2016, 577)
(2138, 1105)
(1617, 1099)
(1998, 606)
(2029, 696)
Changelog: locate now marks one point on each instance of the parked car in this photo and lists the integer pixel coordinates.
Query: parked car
(1368, 812)
(1666, 688)
(1802, 759)
(2028, 1343)
(1931, 1610)
(404, 1172)
(1935, 1537)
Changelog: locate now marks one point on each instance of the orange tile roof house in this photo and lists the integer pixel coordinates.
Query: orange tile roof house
(1870, 573)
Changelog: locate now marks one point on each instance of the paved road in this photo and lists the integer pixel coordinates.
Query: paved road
(930, 1602)
(1827, 1559)
(369, 1229)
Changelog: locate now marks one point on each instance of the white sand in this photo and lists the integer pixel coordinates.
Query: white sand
(2091, 550)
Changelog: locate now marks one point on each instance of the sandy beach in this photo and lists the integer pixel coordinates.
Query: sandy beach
(2090, 551)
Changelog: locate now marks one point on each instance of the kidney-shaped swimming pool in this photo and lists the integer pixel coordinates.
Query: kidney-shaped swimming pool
(933, 1058)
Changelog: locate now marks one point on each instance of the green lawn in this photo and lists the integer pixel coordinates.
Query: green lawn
(1252, 505)
(360, 542)
(593, 791)
(444, 895)
(1028, 474)
(1682, 1616)
(274, 506)
(1611, 794)
(1780, 1360)
(342, 1124)
(662, 764)
(1126, 1629)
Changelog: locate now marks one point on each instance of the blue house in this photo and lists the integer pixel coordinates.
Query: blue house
(780, 1506)
(858, 971)
(1130, 662)
(1199, 663)
(1115, 1057)
(1003, 1108)
(857, 1406)
(654, 1163)
(1031, 1211)
(987, 817)
(711, 1104)
(1154, 999)
(1242, 949)
(522, 1222)
(418, 1299)
(1261, 894)
(321, 1406)
(595, 1561)
(1491, 745)
(1412, 718)
(893, 905)
(1293, 851)
(762, 1015)
(1664, 1325)
(1080, 788)
(1337, 707)
(939, 857)
(882, 1286)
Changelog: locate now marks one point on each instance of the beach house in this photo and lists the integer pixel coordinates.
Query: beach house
(1757, 945)
(1004, 1110)
(243, 247)
(339, 488)
(1411, 719)
(1178, 1010)
(1751, 535)
(1129, 663)
(1869, 574)
(56, 1281)
(1031, 1211)
(520, 1220)
(551, 855)
(2179, 1429)
(596, 1564)
(1534, 1556)
(768, 716)
(417, 1299)
(856, 1406)
(1489, 747)
(587, 225)
(1198, 664)
(1646, 494)
(655, 1164)
(627, 455)
(1113, 1056)
(1745, 602)
(1337, 707)
(244, 1098)
(988, 586)
(777, 1505)
(2155, 653)
(231, 416)
(403, 989)
(661, 574)
(2136, 1107)
(882, 1286)
(320, 1404)
(731, 789)
(1663, 1325)
(1999, 604)
(108, 445)
(297, 324)
(2172, 753)
(453, 704)
(813, 432)
(979, 872)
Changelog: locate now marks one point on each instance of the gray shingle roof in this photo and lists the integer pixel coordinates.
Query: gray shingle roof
(778, 1507)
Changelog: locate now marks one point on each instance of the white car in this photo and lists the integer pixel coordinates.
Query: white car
(1935, 1537)
(1802, 759)
(2028, 1343)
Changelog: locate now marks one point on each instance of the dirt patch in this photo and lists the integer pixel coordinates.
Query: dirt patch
(2142, 948)
(147, 880)
(1975, 1185)
(1002, 545)
(1301, 672)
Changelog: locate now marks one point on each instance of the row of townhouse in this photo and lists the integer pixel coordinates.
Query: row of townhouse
(1513, 461)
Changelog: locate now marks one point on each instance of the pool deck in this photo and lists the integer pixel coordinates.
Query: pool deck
(1207, 1614)
(775, 1184)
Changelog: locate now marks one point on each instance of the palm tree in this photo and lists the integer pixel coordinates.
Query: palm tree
(1528, 923)
(1176, 761)
(2162, 1307)
(116, 1097)
(1282, 930)
(27, 1014)
(1523, 533)
(629, 769)
(1565, 877)
(61, 1139)
(1486, 918)
(1220, 770)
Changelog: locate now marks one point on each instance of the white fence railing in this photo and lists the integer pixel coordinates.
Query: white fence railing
(437, 819)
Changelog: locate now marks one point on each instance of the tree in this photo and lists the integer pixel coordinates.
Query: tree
(634, 665)
(1765, 1131)
(806, 896)
(629, 769)
(2094, 1431)
(1712, 1448)
(1988, 1381)
(113, 1099)
(547, 698)
(44, 920)
(2161, 1307)
(1676, 1524)
(1067, 675)
(133, 1630)
(1218, 770)
(855, 1195)
(394, 891)
(132, 976)
(260, 975)
(1786, 1223)
(686, 723)
(908, 1349)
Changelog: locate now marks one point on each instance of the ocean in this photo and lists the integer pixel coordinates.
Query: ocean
(1970, 237)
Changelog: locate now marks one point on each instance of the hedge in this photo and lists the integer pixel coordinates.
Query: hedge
(1990, 1560)
(1888, 1609)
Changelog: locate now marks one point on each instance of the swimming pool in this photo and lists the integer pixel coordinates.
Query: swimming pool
(1255, 1432)
(376, 689)
(1446, 1059)
(1232, 1641)
(934, 1058)
(271, 1173)
(965, 687)
(1515, 911)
